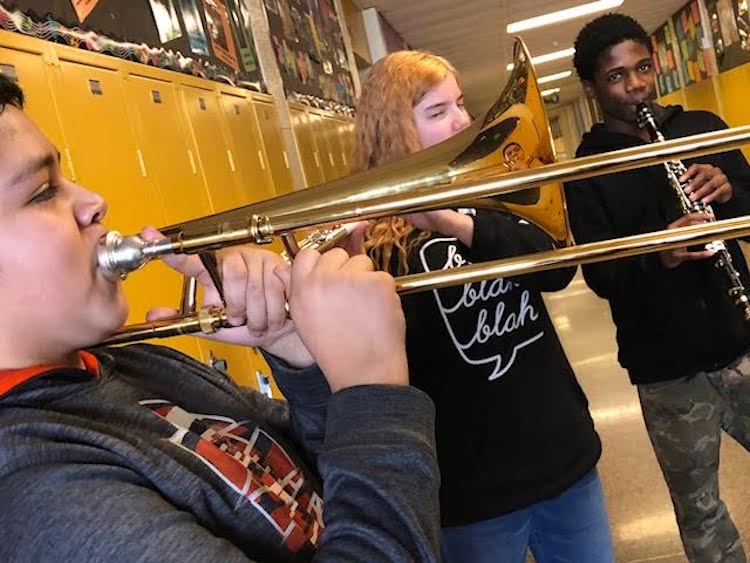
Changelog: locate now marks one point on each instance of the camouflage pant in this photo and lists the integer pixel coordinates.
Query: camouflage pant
(684, 418)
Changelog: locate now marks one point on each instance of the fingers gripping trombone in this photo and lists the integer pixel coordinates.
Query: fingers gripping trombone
(210, 319)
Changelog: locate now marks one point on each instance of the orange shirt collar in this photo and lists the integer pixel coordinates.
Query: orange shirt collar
(12, 378)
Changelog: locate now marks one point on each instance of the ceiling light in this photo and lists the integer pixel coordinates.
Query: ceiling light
(563, 15)
(553, 77)
(545, 93)
(555, 56)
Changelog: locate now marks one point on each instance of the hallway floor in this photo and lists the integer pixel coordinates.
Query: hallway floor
(643, 523)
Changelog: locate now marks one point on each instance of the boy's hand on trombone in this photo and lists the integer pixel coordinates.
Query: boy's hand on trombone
(254, 295)
(349, 317)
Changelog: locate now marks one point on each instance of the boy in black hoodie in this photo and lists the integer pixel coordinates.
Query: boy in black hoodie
(679, 338)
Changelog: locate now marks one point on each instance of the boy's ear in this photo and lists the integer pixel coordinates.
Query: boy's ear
(588, 88)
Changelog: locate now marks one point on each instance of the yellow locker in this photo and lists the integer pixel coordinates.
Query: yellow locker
(303, 133)
(248, 152)
(322, 134)
(733, 87)
(702, 96)
(216, 159)
(270, 134)
(675, 98)
(168, 154)
(334, 145)
(342, 148)
(106, 158)
(346, 135)
(29, 70)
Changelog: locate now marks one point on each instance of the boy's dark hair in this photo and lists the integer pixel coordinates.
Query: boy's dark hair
(10, 94)
(599, 35)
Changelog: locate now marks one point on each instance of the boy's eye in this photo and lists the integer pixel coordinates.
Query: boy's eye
(614, 76)
(46, 193)
(645, 66)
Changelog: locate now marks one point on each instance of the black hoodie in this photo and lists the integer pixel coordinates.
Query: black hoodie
(670, 323)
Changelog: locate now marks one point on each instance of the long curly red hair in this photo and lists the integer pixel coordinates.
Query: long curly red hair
(385, 130)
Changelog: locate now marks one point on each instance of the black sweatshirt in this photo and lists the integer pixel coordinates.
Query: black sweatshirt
(670, 323)
(512, 423)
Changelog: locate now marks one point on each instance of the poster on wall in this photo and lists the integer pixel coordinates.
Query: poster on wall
(730, 30)
(194, 27)
(166, 20)
(694, 45)
(309, 47)
(665, 62)
(83, 8)
(240, 19)
(220, 32)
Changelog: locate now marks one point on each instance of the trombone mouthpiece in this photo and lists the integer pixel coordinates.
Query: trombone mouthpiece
(117, 256)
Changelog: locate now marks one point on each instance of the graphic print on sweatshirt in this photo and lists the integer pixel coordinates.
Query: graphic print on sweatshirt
(491, 322)
(255, 466)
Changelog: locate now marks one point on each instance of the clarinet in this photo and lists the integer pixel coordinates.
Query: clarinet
(722, 259)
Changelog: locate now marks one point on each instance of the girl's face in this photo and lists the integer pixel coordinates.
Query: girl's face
(440, 114)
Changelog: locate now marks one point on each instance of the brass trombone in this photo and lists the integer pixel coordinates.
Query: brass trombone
(469, 170)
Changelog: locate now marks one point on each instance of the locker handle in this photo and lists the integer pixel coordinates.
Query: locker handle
(330, 159)
(192, 161)
(317, 158)
(262, 160)
(141, 163)
(231, 160)
(286, 159)
(343, 158)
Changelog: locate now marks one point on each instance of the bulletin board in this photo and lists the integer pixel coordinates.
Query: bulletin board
(309, 47)
(207, 38)
(730, 31)
(665, 60)
(694, 46)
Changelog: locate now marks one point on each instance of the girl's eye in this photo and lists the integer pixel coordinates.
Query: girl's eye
(47, 193)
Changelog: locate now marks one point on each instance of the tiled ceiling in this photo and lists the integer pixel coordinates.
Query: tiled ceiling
(471, 34)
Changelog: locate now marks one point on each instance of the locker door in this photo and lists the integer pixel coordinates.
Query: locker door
(171, 160)
(322, 134)
(346, 135)
(238, 360)
(339, 148)
(270, 134)
(216, 159)
(311, 162)
(248, 153)
(169, 155)
(105, 158)
(30, 70)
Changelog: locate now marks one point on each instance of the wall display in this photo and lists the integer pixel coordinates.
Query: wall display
(665, 62)
(206, 38)
(220, 32)
(165, 17)
(240, 19)
(309, 47)
(194, 27)
(730, 30)
(694, 46)
(83, 8)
